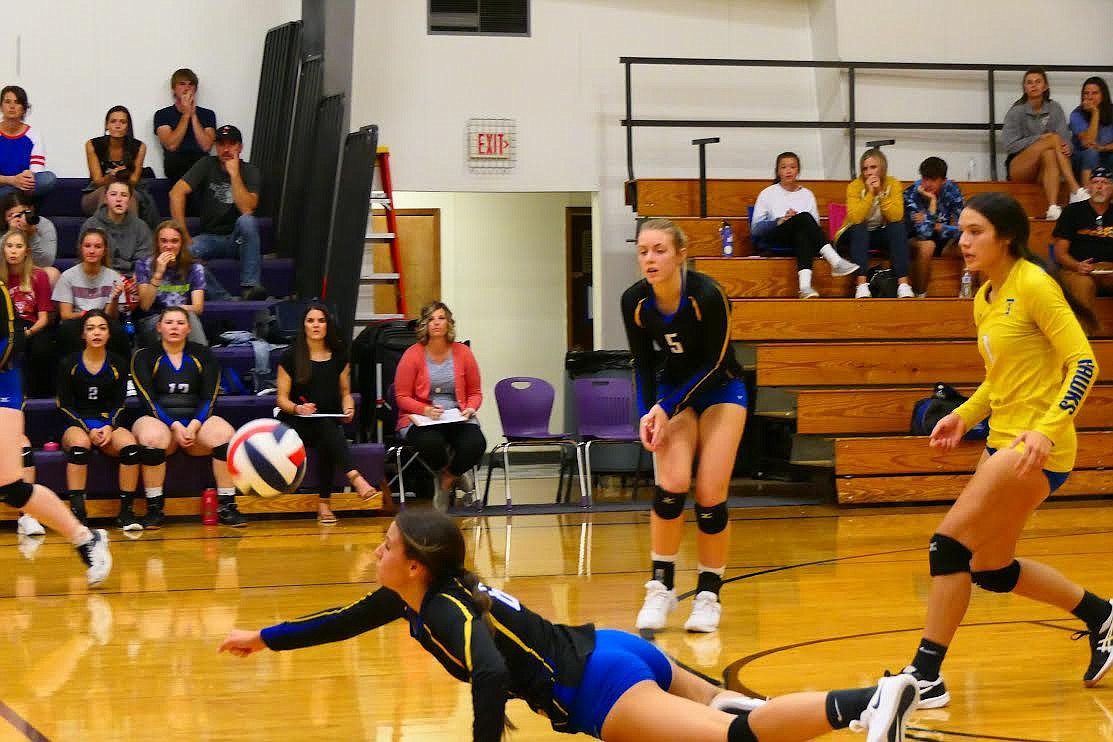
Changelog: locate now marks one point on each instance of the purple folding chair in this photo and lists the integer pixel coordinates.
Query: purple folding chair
(525, 404)
(604, 408)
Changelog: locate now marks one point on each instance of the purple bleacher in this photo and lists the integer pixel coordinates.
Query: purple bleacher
(188, 475)
(232, 315)
(241, 358)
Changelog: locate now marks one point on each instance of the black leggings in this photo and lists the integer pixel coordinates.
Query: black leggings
(803, 235)
(325, 435)
(433, 442)
(40, 363)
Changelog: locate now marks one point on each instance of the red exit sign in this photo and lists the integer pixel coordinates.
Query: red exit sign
(489, 145)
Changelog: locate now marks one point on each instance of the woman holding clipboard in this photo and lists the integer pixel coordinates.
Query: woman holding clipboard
(315, 399)
(437, 376)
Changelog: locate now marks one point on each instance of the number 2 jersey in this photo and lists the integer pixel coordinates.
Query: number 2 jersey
(524, 658)
(178, 393)
(92, 400)
(695, 341)
(1039, 365)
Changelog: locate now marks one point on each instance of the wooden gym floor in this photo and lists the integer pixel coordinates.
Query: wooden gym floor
(816, 598)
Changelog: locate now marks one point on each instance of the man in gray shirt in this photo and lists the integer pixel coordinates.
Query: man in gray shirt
(229, 194)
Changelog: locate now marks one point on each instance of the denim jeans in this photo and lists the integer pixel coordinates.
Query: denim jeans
(892, 236)
(44, 184)
(1088, 159)
(243, 243)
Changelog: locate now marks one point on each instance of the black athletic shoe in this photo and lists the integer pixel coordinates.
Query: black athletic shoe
(933, 693)
(230, 515)
(126, 520)
(1101, 651)
(154, 518)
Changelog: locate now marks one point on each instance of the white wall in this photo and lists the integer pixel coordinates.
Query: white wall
(76, 59)
(502, 273)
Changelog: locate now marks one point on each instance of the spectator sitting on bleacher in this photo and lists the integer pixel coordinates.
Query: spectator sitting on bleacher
(90, 284)
(129, 235)
(1091, 125)
(185, 129)
(786, 214)
(931, 208)
(30, 291)
(170, 279)
(22, 154)
(1084, 241)
(875, 218)
(117, 155)
(1037, 139)
(42, 237)
(229, 191)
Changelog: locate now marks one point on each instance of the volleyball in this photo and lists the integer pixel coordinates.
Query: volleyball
(266, 458)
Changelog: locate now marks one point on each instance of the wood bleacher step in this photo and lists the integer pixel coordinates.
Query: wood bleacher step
(946, 487)
(781, 320)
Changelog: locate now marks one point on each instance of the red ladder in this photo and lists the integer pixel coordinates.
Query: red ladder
(383, 198)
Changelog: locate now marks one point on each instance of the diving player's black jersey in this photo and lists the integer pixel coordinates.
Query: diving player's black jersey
(11, 333)
(523, 659)
(92, 400)
(695, 341)
(177, 393)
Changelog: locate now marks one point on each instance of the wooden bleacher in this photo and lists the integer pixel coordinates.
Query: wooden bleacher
(847, 372)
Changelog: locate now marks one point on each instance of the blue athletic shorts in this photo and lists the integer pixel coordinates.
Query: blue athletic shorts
(618, 662)
(1055, 479)
(732, 392)
(11, 389)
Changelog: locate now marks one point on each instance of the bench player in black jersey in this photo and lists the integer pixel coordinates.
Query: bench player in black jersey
(92, 389)
(609, 684)
(693, 400)
(177, 382)
(35, 499)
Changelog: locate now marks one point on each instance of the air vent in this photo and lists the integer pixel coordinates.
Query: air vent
(484, 17)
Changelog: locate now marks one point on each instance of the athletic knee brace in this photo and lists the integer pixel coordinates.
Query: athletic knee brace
(998, 580)
(16, 493)
(668, 505)
(712, 519)
(946, 556)
(220, 453)
(28, 457)
(152, 456)
(739, 730)
(130, 455)
(77, 455)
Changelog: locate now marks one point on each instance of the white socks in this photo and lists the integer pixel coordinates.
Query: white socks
(153, 492)
(805, 276)
(225, 491)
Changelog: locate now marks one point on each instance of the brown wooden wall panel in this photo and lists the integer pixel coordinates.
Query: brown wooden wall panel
(776, 277)
(851, 319)
(884, 364)
(946, 487)
(910, 454)
(835, 411)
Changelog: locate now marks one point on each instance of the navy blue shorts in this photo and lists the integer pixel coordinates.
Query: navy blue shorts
(732, 392)
(11, 389)
(1055, 479)
(618, 662)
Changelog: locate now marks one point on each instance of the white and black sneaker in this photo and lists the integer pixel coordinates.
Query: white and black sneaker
(1101, 651)
(96, 557)
(706, 611)
(843, 267)
(735, 703)
(28, 526)
(659, 603)
(933, 693)
(886, 717)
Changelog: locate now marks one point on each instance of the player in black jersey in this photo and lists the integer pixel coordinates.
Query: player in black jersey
(92, 388)
(177, 382)
(34, 499)
(693, 400)
(609, 684)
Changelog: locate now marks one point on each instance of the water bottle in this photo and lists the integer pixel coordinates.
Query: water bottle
(129, 328)
(966, 290)
(727, 236)
(208, 507)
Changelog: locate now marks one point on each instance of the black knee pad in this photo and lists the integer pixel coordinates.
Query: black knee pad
(16, 493)
(668, 505)
(28, 457)
(712, 519)
(77, 455)
(152, 456)
(130, 455)
(220, 453)
(998, 580)
(947, 556)
(739, 730)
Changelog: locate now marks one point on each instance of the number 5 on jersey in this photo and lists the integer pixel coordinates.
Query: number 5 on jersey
(673, 343)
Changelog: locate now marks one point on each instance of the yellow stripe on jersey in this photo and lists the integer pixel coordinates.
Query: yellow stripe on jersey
(10, 329)
(467, 632)
(514, 638)
(722, 350)
(695, 308)
(638, 313)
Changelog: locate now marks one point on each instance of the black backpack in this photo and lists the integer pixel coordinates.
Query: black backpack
(379, 346)
(883, 284)
(926, 413)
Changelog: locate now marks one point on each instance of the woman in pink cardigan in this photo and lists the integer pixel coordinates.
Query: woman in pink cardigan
(439, 377)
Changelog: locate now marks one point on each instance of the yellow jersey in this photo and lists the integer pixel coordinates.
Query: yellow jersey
(1039, 365)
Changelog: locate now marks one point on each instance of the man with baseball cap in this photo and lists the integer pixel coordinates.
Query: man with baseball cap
(228, 190)
(1084, 240)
